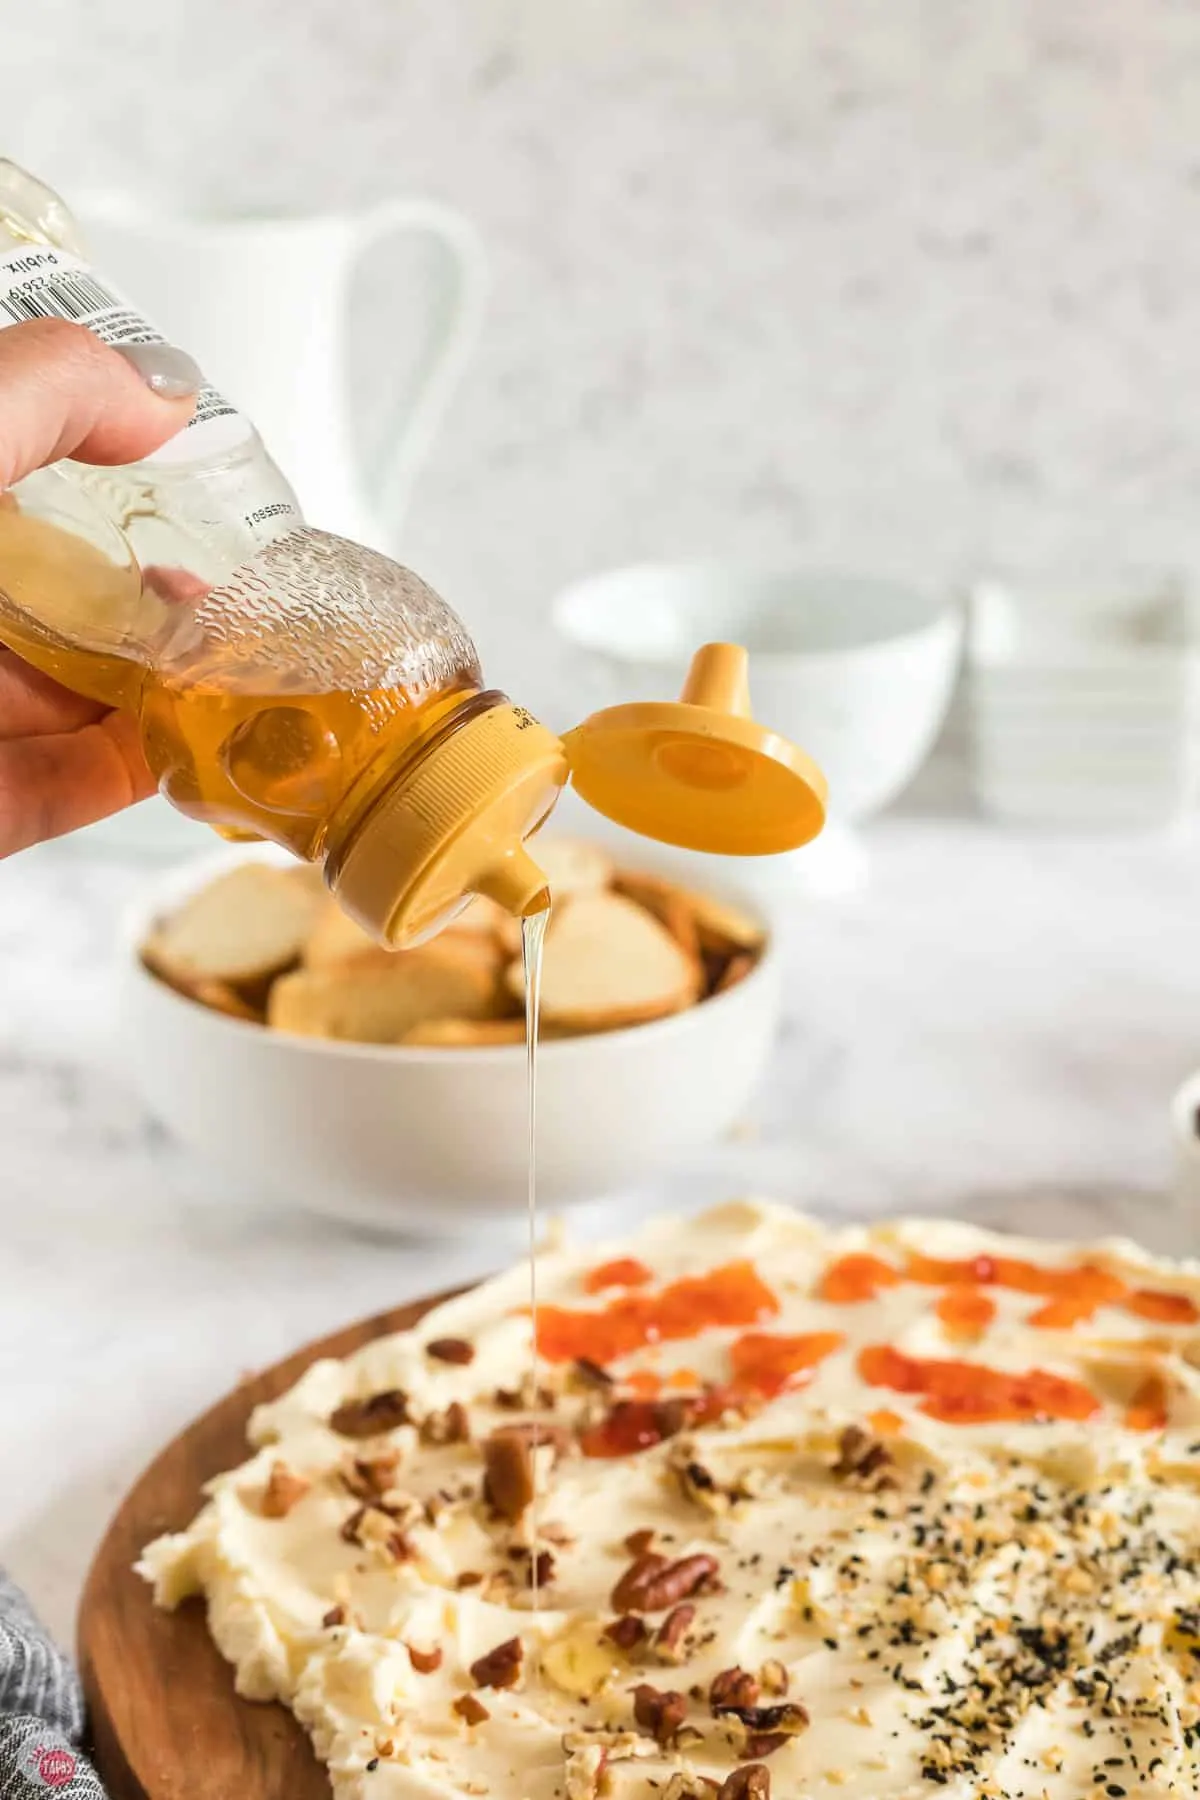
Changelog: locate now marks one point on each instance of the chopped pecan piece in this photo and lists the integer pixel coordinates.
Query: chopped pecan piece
(590, 1758)
(370, 1477)
(424, 1661)
(468, 1579)
(638, 1542)
(283, 1490)
(699, 1485)
(353, 1525)
(498, 1586)
(508, 1453)
(472, 1710)
(626, 1632)
(683, 1786)
(731, 1690)
(618, 1746)
(458, 1424)
(372, 1416)
(750, 1782)
(335, 1616)
(529, 1394)
(501, 1667)
(666, 1587)
(629, 1595)
(450, 1427)
(763, 1743)
(669, 1638)
(592, 1374)
(451, 1350)
(659, 1713)
(774, 1677)
(583, 1770)
(508, 1482)
(541, 1569)
(652, 1584)
(508, 1473)
(863, 1460)
(784, 1721)
(373, 1527)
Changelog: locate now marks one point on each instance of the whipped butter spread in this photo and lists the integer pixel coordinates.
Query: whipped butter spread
(884, 1513)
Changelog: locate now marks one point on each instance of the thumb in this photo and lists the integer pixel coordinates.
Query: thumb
(65, 393)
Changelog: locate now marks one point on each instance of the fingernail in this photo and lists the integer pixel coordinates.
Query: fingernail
(169, 372)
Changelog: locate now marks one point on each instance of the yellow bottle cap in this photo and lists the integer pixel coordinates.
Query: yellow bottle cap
(700, 772)
(454, 825)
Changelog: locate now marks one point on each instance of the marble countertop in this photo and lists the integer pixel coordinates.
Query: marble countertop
(993, 1024)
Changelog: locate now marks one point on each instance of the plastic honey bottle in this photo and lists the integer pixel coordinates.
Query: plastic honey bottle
(294, 686)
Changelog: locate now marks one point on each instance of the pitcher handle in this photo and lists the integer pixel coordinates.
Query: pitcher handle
(418, 413)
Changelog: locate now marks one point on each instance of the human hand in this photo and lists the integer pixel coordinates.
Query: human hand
(65, 761)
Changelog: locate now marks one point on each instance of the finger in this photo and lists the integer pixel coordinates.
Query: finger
(52, 785)
(33, 705)
(68, 394)
(175, 586)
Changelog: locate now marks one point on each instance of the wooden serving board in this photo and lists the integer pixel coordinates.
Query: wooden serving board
(165, 1721)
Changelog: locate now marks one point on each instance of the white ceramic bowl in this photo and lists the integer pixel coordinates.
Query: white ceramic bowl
(422, 1140)
(858, 671)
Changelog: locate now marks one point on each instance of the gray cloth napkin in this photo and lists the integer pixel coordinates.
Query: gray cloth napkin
(41, 1711)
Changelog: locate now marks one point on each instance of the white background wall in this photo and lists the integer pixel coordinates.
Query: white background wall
(910, 285)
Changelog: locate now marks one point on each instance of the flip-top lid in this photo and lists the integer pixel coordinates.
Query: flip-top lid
(700, 772)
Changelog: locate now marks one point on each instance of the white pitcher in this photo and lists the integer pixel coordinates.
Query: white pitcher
(263, 304)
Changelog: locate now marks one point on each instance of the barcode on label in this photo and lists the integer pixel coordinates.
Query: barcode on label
(68, 296)
(210, 405)
(46, 282)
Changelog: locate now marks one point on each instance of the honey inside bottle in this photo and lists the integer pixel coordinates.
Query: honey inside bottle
(260, 716)
(279, 765)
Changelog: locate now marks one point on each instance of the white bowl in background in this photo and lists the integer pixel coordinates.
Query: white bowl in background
(426, 1140)
(859, 671)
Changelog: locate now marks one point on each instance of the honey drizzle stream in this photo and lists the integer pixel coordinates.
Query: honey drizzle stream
(533, 936)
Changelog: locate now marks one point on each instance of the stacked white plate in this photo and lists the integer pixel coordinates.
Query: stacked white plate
(1082, 705)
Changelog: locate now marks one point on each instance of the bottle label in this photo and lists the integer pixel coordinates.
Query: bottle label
(39, 281)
